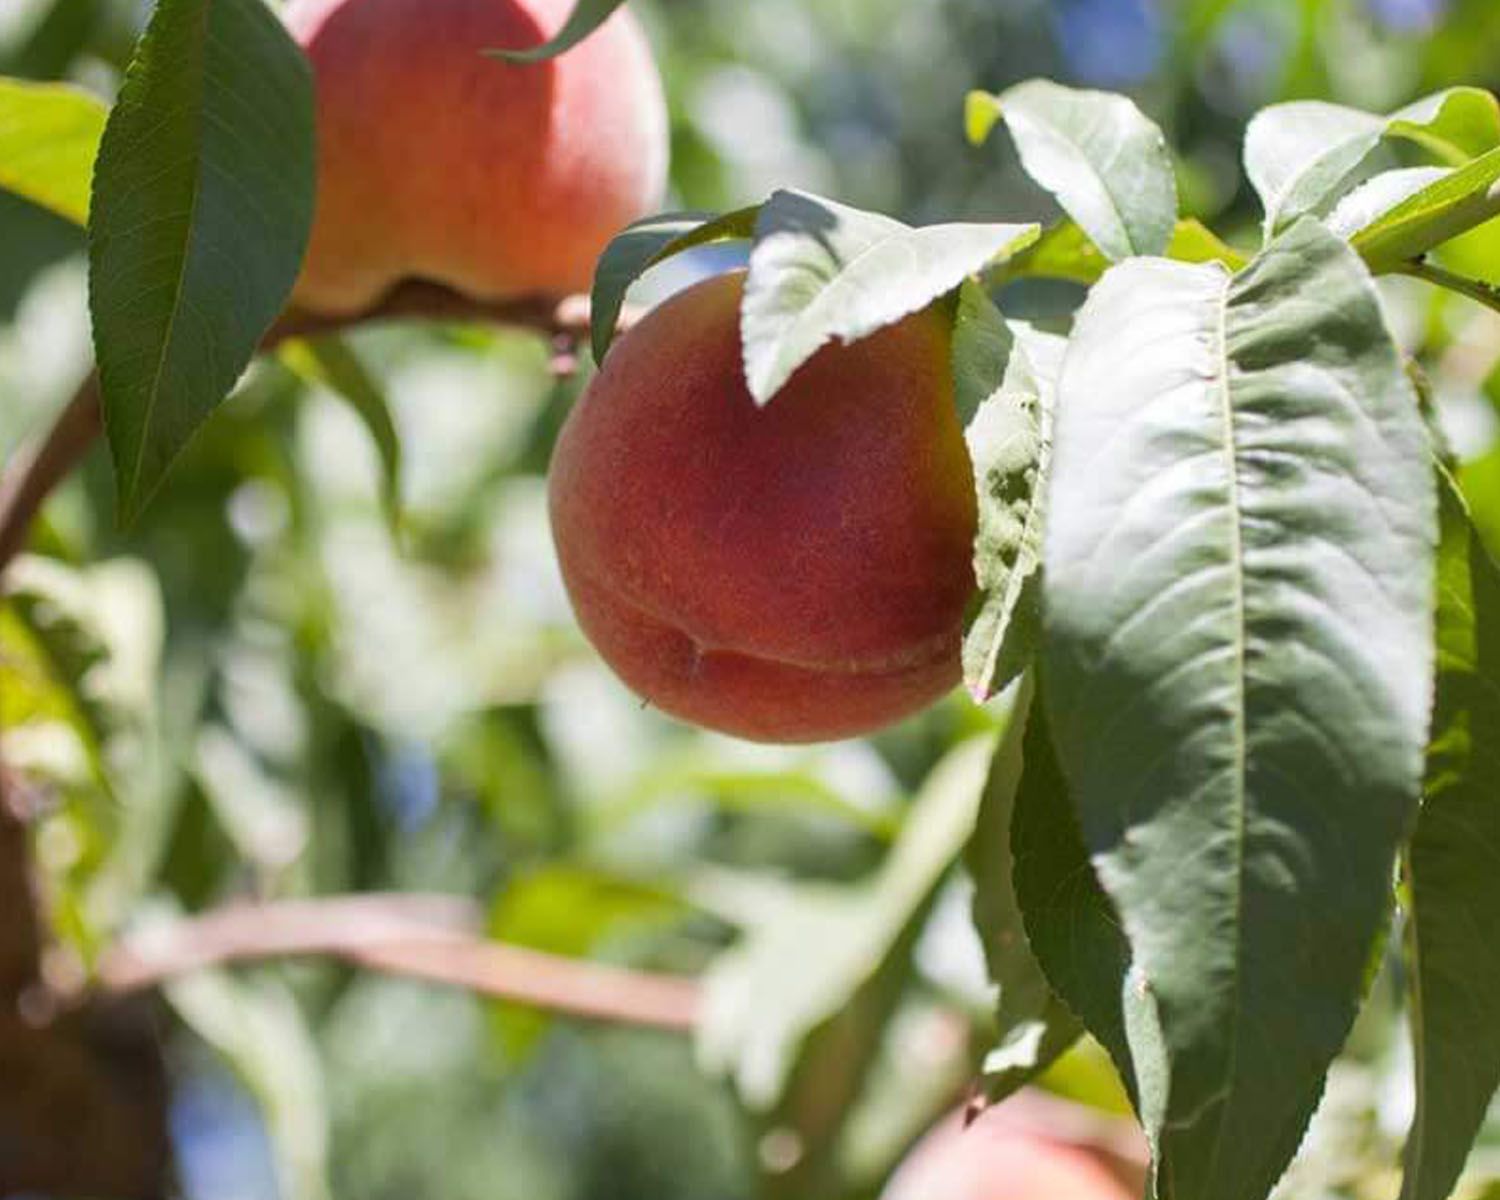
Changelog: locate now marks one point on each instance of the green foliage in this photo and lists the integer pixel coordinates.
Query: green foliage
(1106, 163)
(1010, 444)
(1299, 155)
(1184, 840)
(1453, 871)
(587, 16)
(202, 203)
(821, 270)
(1243, 768)
(49, 134)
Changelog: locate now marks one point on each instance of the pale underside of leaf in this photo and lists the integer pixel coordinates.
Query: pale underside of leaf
(1240, 514)
(821, 271)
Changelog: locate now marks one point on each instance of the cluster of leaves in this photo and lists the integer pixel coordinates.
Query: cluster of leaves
(1210, 537)
(1211, 522)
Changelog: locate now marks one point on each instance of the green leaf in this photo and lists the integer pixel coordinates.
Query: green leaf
(1064, 251)
(587, 16)
(49, 136)
(1105, 161)
(203, 197)
(1034, 1026)
(570, 911)
(1009, 440)
(821, 270)
(1071, 925)
(1371, 200)
(332, 362)
(1240, 538)
(1450, 206)
(793, 1012)
(263, 1037)
(1298, 154)
(643, 245)
(1453, 870)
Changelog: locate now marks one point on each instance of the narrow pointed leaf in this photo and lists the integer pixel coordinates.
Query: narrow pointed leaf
(1449, 206)
(587, 16)
(1241, 530)
(1454, 872)
(203, 197)
(1105, 161)
(1034, 1026)
(1071, 925)
(1298, 154)
(49, 136)
(822, 270)
(639, 247)
(1009, 440)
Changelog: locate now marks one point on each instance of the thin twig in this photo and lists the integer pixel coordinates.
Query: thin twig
(426, 938)
(1477, 290)
(30, 477)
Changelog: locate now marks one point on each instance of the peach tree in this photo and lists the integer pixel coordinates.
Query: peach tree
(1228, 595)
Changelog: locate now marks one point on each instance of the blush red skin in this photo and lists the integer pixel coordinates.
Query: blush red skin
(435, 162)
(989, 1161)
(792, 573)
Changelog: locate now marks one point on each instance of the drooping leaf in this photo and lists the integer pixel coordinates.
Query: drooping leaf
(587, 16)
(1070, 923)
(1298, 154)
(203, 198)
(1453, 870)
(640, 246)
(1241, 528)
(49, 136)
(1009, 440)
(1033, 1025)
(1105, 161)
(822, 270)
(332, 362)
(793, 1013)
(1458, 201)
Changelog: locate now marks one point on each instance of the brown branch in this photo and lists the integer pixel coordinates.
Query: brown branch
(32, 474)
(419, 937)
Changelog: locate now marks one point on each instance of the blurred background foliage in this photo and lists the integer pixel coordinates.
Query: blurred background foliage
(270, 689)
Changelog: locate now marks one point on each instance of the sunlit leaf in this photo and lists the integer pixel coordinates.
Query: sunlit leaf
(1237, 591)
(1298, 154)
(1009, 440)
(1457, 202)
(49, 136)
(822, 271)
(1104, 160)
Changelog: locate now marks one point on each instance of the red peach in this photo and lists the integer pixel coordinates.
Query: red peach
(792, 573)
(436, 162)
(992, 1161)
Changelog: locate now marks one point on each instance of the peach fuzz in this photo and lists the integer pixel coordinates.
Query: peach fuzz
(436, 162)
(792, 573)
